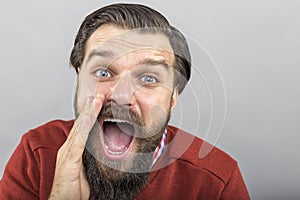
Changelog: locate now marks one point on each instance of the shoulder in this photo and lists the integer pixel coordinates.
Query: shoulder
(192, 150)
(49, 135)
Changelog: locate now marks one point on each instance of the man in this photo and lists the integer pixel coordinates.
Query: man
(132, 65)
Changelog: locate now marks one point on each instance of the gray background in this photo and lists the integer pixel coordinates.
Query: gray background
(254, 42)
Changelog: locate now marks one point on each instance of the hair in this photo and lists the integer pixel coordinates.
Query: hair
(134, 16)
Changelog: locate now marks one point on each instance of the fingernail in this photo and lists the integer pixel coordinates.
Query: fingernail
(98, 103)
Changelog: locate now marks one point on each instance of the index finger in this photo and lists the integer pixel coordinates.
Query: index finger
(85, 121)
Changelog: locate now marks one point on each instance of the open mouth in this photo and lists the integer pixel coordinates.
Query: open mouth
(117, 138)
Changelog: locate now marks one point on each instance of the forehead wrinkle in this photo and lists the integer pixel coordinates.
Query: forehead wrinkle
(125, 47)
(137, 44)
(141, 41)
(138, 58)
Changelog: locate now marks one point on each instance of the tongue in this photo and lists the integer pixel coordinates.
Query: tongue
(116, 139)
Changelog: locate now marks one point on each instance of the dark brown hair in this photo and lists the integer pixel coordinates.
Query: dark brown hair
(134, 16)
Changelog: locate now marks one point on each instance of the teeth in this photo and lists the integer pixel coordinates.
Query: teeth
(115, 152)
(116, 120)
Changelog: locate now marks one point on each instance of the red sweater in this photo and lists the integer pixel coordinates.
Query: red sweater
(30, 171)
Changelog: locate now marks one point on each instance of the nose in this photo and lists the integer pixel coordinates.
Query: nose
(123, 91)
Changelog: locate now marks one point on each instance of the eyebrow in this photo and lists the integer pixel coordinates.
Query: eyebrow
(104, 53)
(149, 61)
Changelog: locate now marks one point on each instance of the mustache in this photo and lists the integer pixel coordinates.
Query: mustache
(114, 111)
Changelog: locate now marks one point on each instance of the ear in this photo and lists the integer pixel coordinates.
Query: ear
(174, 98)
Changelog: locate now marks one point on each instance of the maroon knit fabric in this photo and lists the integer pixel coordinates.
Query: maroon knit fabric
(178, 174)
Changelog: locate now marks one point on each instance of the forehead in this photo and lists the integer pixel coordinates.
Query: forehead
(115, 42)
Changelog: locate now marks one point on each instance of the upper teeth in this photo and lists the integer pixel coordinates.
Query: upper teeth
(116, 120)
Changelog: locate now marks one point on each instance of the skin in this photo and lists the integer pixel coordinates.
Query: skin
(69, 179)
(122, 84)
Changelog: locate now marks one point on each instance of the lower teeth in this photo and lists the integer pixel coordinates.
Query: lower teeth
(115, 152)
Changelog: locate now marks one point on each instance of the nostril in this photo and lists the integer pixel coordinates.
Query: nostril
(111, 102)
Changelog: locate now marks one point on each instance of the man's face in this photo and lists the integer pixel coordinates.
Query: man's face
(134, 71)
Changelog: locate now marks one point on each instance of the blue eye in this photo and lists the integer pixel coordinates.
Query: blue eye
(102, 73)
(149, 79)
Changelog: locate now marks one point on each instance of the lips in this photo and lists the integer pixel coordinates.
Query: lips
(117, 138)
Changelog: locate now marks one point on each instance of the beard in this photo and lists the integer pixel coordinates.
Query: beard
(122, 179)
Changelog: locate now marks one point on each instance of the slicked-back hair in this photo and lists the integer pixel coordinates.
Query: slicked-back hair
(134, 16)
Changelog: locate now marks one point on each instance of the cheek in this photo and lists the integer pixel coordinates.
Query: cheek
(153, 105)
(90, 88)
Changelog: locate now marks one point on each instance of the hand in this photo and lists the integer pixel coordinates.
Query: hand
(69, 178)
